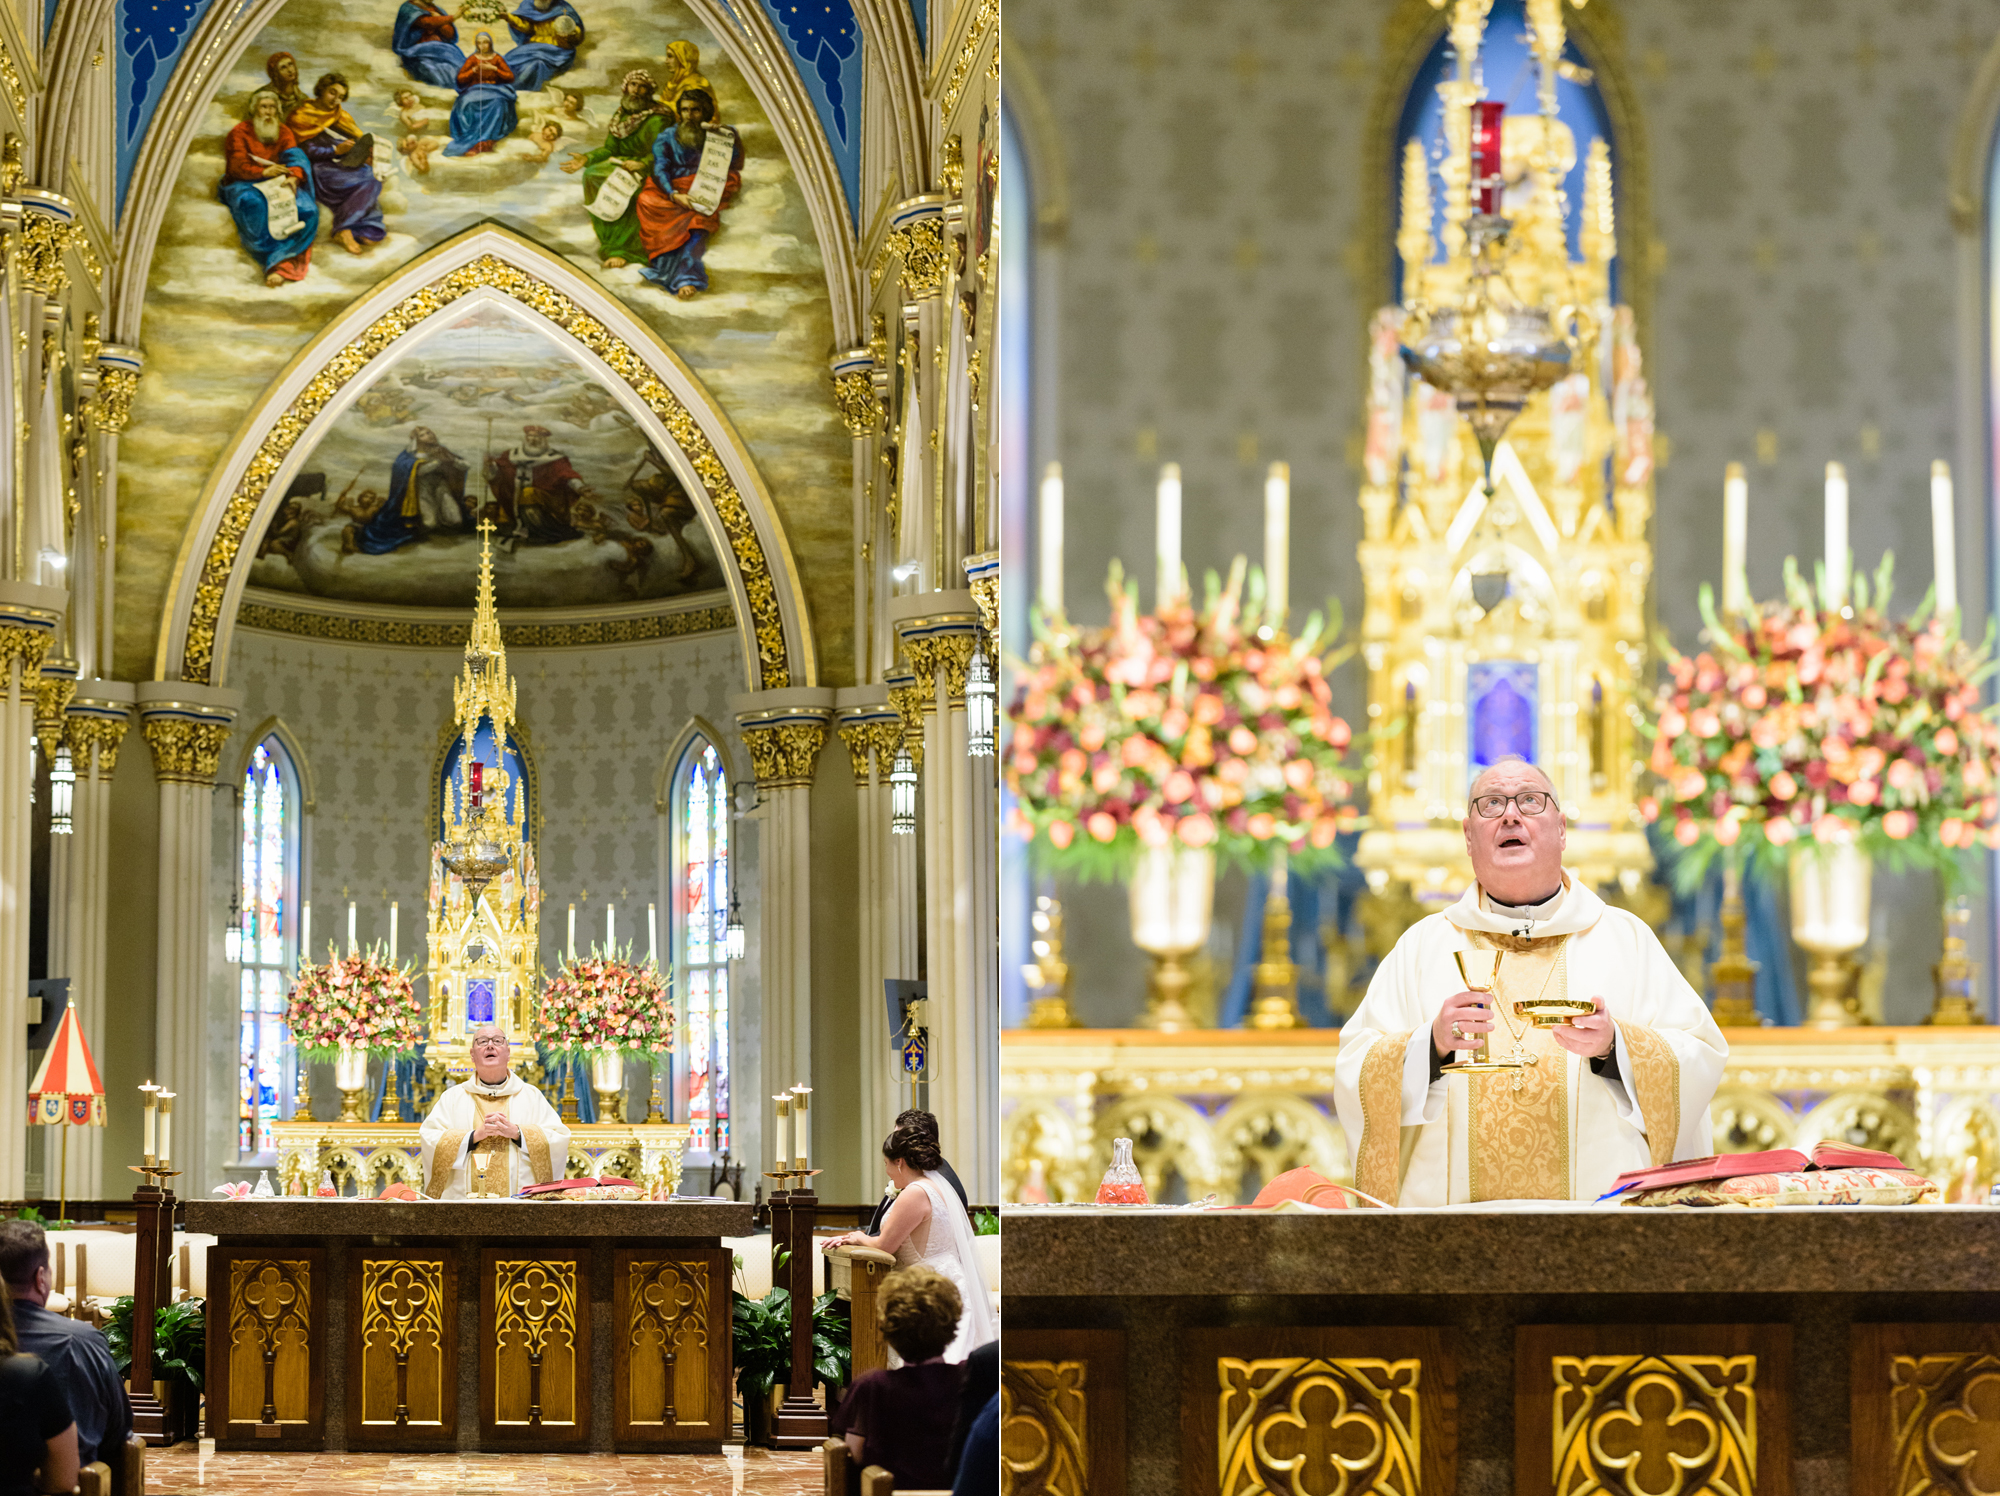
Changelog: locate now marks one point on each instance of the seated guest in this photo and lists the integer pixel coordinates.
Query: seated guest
(979, 1464)
(982, 1385)
(901, 1417)
(77, 1353)
(37, 1434)
(927, 1224)
(922, 1122)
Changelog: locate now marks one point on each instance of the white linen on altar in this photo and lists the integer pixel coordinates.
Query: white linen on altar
(448, 1158)
(1413, 1139)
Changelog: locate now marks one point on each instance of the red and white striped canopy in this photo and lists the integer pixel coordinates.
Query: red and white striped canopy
(67, 1088)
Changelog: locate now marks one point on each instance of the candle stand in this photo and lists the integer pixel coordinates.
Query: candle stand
(154, 1202)
(800, 1421)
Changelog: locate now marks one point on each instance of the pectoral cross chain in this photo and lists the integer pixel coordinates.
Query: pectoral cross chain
(1522, 1057)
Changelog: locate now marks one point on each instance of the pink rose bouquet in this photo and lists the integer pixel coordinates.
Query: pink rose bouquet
(599, 1003)
(1182, 724)
(1804, 724)
(357, 1001)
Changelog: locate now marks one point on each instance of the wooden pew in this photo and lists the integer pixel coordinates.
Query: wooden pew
(857, 1274)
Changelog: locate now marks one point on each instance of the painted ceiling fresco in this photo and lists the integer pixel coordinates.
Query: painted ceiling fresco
(349, 137)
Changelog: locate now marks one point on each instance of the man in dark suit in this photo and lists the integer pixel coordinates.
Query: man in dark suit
(929, 1123)
(76, 1352)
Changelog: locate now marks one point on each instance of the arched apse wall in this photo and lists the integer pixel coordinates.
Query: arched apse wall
(659, 394)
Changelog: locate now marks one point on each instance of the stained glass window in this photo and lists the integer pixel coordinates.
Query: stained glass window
(268, 876)
(701, 948)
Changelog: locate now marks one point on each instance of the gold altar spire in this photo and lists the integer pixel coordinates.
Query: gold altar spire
(484, 688)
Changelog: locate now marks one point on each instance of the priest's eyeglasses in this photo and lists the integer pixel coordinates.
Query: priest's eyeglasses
(1528, 802)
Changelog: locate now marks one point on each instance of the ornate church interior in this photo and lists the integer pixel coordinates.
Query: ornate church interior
(501, 549)
(1435, 427)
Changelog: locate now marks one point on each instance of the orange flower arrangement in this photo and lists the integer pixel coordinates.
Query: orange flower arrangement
(1185, 725)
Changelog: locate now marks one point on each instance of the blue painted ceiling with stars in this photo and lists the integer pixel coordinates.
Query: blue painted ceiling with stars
(822, 36)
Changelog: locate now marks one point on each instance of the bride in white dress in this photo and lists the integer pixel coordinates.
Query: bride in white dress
(927, 1224)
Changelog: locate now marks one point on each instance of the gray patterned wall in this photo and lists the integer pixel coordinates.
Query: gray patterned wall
(1806, 302)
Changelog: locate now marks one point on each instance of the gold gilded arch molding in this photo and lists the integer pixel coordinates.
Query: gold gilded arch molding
(213, 566)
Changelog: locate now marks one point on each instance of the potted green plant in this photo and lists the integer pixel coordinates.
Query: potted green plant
(761, 1339)
(180, 1351)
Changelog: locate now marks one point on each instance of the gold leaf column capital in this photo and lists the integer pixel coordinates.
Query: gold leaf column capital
(854, 392)
(784, 732)
(186, 729)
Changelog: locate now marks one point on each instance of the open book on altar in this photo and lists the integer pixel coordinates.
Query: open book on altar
(1736, 1165)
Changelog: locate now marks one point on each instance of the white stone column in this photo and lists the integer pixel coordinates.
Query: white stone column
(118, 369)
(938, 630)
(871, 729)
(96, 725)
(861, 410)
(29, 618)
(186, 727)
(784, 731)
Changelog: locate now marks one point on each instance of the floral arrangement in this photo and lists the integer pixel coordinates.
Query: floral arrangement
(1804, 724)
(1188, 725)
(358, 1001)
(600, 1003)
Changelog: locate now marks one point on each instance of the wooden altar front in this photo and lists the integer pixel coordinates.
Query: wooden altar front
(469, 1325)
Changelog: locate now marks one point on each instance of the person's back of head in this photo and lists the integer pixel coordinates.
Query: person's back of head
(922, 1121)
(24, 1252)
(919, 1309)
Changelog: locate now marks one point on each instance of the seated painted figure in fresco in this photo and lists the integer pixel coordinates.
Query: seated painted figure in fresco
(343, 157)
(537, 488)
(672, 230)
(267, 185)
(485, 113)
(546, 35)
(628, 143)
(426, 41)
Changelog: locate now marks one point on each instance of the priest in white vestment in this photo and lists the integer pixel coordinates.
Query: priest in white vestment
(492, 1135)
(1625, 1087)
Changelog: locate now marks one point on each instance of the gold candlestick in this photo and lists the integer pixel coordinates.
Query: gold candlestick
(654, 1113)
(1954, 1006)
(1048, 974)
(1275, 1004)
(1734, 973)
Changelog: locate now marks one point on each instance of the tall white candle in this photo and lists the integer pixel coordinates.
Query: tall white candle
(306, 930)
(392, 930)
(1168, 536)
(166, 1127)
(351, 946)
(1735, 537)
(152, 1094)
(1052, 540)
(1944, 539)
(802, 1124)
(610, 928)
(572, 932)
(1836, 536)
(1278, 538)
(653, 934)
(783, 1135)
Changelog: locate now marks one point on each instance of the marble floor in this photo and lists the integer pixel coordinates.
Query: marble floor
(181, 1471)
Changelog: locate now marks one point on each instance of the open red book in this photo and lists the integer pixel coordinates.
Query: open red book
(1736, 1165)
(559, 1186)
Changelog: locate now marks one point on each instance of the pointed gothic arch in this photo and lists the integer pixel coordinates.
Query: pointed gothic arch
(493, 265)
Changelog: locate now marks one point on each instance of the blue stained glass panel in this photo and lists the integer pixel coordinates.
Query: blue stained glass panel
(1502, 699)
(479, 1001)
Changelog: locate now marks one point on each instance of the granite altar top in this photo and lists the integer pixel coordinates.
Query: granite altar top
(1088, 1253)
(332, 1219)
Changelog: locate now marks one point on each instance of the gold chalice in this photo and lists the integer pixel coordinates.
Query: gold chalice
(1480, 971)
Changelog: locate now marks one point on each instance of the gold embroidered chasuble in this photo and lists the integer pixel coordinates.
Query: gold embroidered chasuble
(494, 1166)
(1567, 1131)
